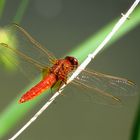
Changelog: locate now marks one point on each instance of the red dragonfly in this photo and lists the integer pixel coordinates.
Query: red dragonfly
(105, 86)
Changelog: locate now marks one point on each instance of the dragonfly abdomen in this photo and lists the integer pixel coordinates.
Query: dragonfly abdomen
(44, 84)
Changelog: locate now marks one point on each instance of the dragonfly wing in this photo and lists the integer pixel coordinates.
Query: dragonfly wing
(35, 43)
(110, 84)
(31, 57)
(96, 95)
(105, 88)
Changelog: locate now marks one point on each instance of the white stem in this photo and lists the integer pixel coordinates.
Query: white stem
(81, 67)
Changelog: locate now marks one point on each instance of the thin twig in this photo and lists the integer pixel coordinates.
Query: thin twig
(81, 67)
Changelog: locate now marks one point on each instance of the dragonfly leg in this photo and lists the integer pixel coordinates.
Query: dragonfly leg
(57, 86)
(60, 85)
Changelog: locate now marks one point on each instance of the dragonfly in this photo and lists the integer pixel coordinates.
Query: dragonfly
(102, 86)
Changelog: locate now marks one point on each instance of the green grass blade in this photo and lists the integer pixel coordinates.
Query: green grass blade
(20, 11)
(136, 127)
(2, 4)
(17, 111)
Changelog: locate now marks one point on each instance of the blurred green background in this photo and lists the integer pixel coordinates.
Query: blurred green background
(61, 25)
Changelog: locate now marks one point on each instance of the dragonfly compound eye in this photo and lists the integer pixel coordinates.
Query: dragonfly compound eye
(73, 60)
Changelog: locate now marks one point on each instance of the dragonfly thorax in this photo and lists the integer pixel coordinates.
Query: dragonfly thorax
(63, 67)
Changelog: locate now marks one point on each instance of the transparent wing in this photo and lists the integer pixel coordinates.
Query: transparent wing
(34, 43)
(105, 88)
(32, 56)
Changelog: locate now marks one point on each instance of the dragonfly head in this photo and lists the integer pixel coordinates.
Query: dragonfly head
(72, 60)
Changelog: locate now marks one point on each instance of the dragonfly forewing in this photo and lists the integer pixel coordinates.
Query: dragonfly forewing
(105, 88)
